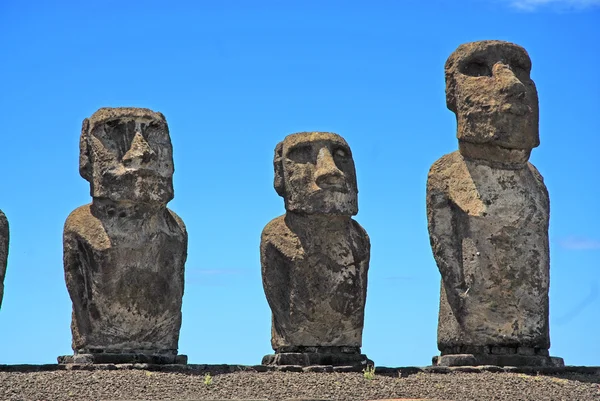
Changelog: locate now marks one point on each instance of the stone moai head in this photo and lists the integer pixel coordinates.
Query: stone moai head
(126, 155)
(489, 89)
(315, 174)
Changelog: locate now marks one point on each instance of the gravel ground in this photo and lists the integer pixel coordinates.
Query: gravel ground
(147, 385)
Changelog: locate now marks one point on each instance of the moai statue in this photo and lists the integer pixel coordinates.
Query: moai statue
(315, 257)
(124, 253)
(3, 251)
(488, 211)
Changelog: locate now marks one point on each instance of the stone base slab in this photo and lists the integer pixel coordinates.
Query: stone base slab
(316, 359)
(402, 371)
(106, 357)
(497, 360)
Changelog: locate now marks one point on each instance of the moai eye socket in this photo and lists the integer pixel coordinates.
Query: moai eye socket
(476, 69)
(112, 124)
(341, 153)
(116, 135)
(520, 70)
(301, 154)
(156, 133)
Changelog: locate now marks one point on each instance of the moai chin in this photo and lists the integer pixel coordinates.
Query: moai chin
(124, 253)
(3, 252)
(488, 212)
(315, 258)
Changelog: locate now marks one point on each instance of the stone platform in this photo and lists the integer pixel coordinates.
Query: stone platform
(119, 358)
(497, 356)
(497, 360)
(403, 371)
(317, 356)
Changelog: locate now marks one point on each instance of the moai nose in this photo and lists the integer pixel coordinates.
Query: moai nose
(327, 174)
(139, 151)
(507, 80)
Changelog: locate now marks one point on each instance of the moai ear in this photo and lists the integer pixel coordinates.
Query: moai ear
(279, 183)
(450, 89)
(451, 101)
(85, 165)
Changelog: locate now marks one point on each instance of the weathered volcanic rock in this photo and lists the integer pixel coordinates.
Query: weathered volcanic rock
(488, 213)
(124, 253)
(315, 257)
(3, 251)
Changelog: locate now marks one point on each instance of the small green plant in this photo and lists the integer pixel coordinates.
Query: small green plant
(369, 372)
(208, 380)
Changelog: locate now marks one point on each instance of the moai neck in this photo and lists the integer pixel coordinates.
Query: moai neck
(494, 156)
(109, 209)
(312, 222)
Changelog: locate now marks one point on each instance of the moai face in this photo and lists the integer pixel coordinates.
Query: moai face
(126, 155)
(314, 173)
(489, 88)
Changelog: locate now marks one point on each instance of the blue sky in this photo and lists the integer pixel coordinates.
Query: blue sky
(233, 78)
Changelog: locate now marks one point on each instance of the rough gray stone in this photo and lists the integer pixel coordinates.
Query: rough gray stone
(4, 237)
(315, 257)
(124, 253)
(488, 212)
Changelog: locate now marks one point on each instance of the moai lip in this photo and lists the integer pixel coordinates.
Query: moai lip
(4, 238)
(488, 215)
(315, 258)
(124, 254)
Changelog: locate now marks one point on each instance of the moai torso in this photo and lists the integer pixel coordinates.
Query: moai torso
(315, 279)
(498, 221)
(3, 251)
(124, 253)
(125, 276)
(488, 212)
(315, 257)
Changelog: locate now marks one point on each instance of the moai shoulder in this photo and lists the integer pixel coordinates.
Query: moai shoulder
(124, 254)
(82, 226)
(315, 258)
(279, 240)
(450, 182)
(488, 214)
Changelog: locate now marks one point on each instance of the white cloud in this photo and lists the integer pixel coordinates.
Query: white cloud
(533, 5)
(576, 243)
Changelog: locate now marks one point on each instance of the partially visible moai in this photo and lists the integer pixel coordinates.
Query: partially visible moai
(488, 212)
(124, 253)
(3, 252)
(315, 257)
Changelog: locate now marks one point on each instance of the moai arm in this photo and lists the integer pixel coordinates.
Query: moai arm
(74, 267)
(363, 245)
(443, 219)
(183, 230)
(78, 261)
(275, 272)
(540, 183)
(3, 251)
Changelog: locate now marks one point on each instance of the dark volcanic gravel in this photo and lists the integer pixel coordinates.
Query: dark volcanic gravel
(147, 385)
